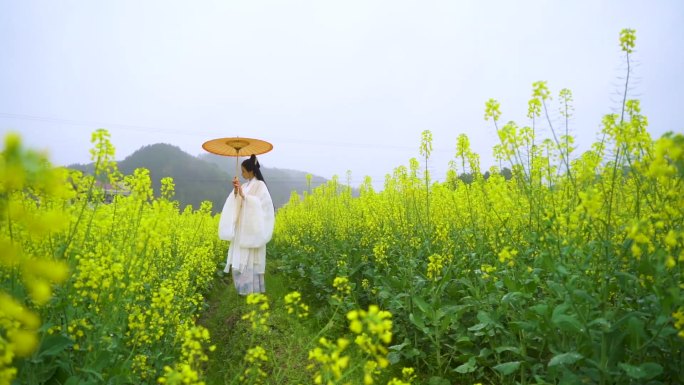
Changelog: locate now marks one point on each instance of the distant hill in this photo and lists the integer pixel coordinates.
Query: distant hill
(280, 182)
(206, 177)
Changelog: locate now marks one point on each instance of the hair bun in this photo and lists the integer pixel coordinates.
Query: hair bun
(254, 160)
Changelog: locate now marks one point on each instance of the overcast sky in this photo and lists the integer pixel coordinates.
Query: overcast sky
(333, 85)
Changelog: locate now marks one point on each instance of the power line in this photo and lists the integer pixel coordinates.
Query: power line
(204, 134)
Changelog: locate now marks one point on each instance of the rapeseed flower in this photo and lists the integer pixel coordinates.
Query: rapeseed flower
(329, 360)
(294, 305)
(259, 314)
(342, 287)
(679, 321)
(435, 266)
(254, 374)
(507, 256)
(374, 331)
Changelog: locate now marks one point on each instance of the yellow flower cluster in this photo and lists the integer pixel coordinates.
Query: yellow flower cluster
(673, 240)
(342, 288)
(259, 314)
(380, 253)
(182, 374)
(435, 266)
(641, 233)
(294, 305)
(614, 209)
(164, 311)
(341, 263)
(149, 323)
(19, 326)
(365, 284)
(408, 376)
(96, 276)
(679, 321)
(591, 202)
(138, 265)
(137, 326)
(77, 329)
(193, 356)
(486, 270)
(167, 188)
(370, 370)
(192, 348)
(331, 361)
(507, 256)
(668, 153)
(373, 329)
(254, 374)
(193, 341)
(29, 220)
(102, 153)
(443, 239)
(141, 366)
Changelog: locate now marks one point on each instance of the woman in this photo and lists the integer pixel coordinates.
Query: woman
(247, 222)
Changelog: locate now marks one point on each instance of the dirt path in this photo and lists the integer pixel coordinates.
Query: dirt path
(286, 343)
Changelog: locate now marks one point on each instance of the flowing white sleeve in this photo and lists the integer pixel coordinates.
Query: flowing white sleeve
(229, 215)
(258, 218)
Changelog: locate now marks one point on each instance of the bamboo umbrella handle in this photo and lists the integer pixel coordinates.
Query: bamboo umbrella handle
(237, 162)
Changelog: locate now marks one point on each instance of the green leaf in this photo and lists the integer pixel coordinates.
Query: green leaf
(630, 278)
(508, 367)
(540, 309)
(523, 325)
(558, 289)
(569, 378)
(568, 323)
(510, 284)
(94, 373)
(477, 327)
(439, 314)
(399, 347)
(564, 321)
(73, 380)
(119, 380)
(53, 345)
(512, 297)
(560, 309)
(468, 367)
(562, 270)
(447, 320)
(584, 295)
(602, 322)
(103, 359)
(464, 341)
(565, 359)
(484, 317)
(422, 305)
(512, 349)
(438, 381)
(485, 352)
(417, 320)
(636, 328)
(645, 371)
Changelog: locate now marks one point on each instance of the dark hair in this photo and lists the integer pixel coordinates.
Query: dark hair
(252, 165)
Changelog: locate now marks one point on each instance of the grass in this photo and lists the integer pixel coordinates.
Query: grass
(287, 343)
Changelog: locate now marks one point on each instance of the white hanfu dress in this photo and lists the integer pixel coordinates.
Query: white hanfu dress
(248, 224)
